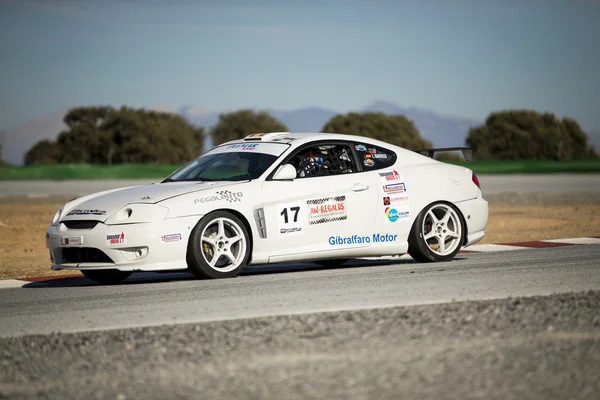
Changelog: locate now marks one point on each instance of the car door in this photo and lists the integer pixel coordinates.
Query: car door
(329, 207)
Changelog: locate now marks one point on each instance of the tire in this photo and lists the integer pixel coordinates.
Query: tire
(106, 276)
(212, 237)
(437, 234)
(332, 263)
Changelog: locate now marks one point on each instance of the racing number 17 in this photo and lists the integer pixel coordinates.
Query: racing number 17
(285, 213)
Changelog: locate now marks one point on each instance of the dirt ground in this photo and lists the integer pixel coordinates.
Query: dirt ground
(23, 225)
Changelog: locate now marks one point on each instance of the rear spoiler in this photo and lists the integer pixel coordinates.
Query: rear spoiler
(467, 152)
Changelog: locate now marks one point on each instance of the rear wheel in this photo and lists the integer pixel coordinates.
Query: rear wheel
(106, 276)
(219, 246)
(332, 263)
(437, 234)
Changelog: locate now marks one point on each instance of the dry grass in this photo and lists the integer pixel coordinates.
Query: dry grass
(522, 223)
(23, 252)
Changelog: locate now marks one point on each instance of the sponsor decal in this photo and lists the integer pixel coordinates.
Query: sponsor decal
(390, 175)
(394, 188)
(360, 147)
(399, 199)
(296, 229)
(115, 238)
(393, 215)
(72, 240)
(367, 155)
(291, 219)
(243, 146)
(226, 195)
(171, 237)
(386, 201)
(380, 155)
(356, 239)
(330, 209)
(372, 151)
(368, 162)
(86, 212)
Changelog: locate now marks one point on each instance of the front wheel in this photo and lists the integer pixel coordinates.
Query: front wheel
(106, 276)
(219, 246)
(437, 234)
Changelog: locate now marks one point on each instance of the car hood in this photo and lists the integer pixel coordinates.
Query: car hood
(100, 206)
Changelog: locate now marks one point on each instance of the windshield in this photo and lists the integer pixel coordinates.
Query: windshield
(237, 162)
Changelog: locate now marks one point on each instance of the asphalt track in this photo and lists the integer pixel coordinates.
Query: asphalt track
(491, 184)
(75, 305)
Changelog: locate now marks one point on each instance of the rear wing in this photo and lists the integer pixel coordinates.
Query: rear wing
(467, 152)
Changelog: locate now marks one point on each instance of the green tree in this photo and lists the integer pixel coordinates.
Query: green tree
(394, 129)
(238, 124)
(105, 135)
(43, 152)
(526, 134)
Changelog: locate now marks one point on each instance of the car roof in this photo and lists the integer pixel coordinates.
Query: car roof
(299, 138)
(303, 137)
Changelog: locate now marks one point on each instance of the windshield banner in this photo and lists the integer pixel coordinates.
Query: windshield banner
(275, 149)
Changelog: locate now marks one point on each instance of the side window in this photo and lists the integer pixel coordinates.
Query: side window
(374, 157)
(324, 160)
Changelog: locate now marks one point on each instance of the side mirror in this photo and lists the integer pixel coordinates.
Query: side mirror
(285, 172)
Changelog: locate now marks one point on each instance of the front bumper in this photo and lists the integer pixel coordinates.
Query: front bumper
(152, 246)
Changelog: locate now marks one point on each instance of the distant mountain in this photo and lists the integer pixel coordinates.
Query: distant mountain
(441, 130)
(310, 119)
(20, 139)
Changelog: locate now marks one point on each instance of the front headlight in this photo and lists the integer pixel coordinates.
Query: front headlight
(57, 216)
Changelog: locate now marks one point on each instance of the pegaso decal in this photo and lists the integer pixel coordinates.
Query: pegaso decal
(356, 239)
(115, 238)
(393, 215)
(172, 237)
(390, 175)
(394, 188)
(243, 146)
(328, 209)
(86, 212)
(226, 195)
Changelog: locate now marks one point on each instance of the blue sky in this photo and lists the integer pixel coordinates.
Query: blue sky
(459, 57)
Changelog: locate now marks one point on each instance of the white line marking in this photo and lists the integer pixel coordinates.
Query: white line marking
(583, 240)
(494, 247)
(12, 283)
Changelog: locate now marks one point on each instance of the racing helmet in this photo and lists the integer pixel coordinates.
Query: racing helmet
(311, 164)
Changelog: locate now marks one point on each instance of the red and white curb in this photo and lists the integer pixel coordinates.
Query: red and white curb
(477, 248)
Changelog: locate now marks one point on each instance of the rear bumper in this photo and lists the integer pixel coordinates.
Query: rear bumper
(475, 212)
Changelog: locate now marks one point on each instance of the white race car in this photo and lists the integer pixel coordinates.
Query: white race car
(272, 198)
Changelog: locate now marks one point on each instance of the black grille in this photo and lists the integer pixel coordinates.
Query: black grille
(84, 255)
(80, 224)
